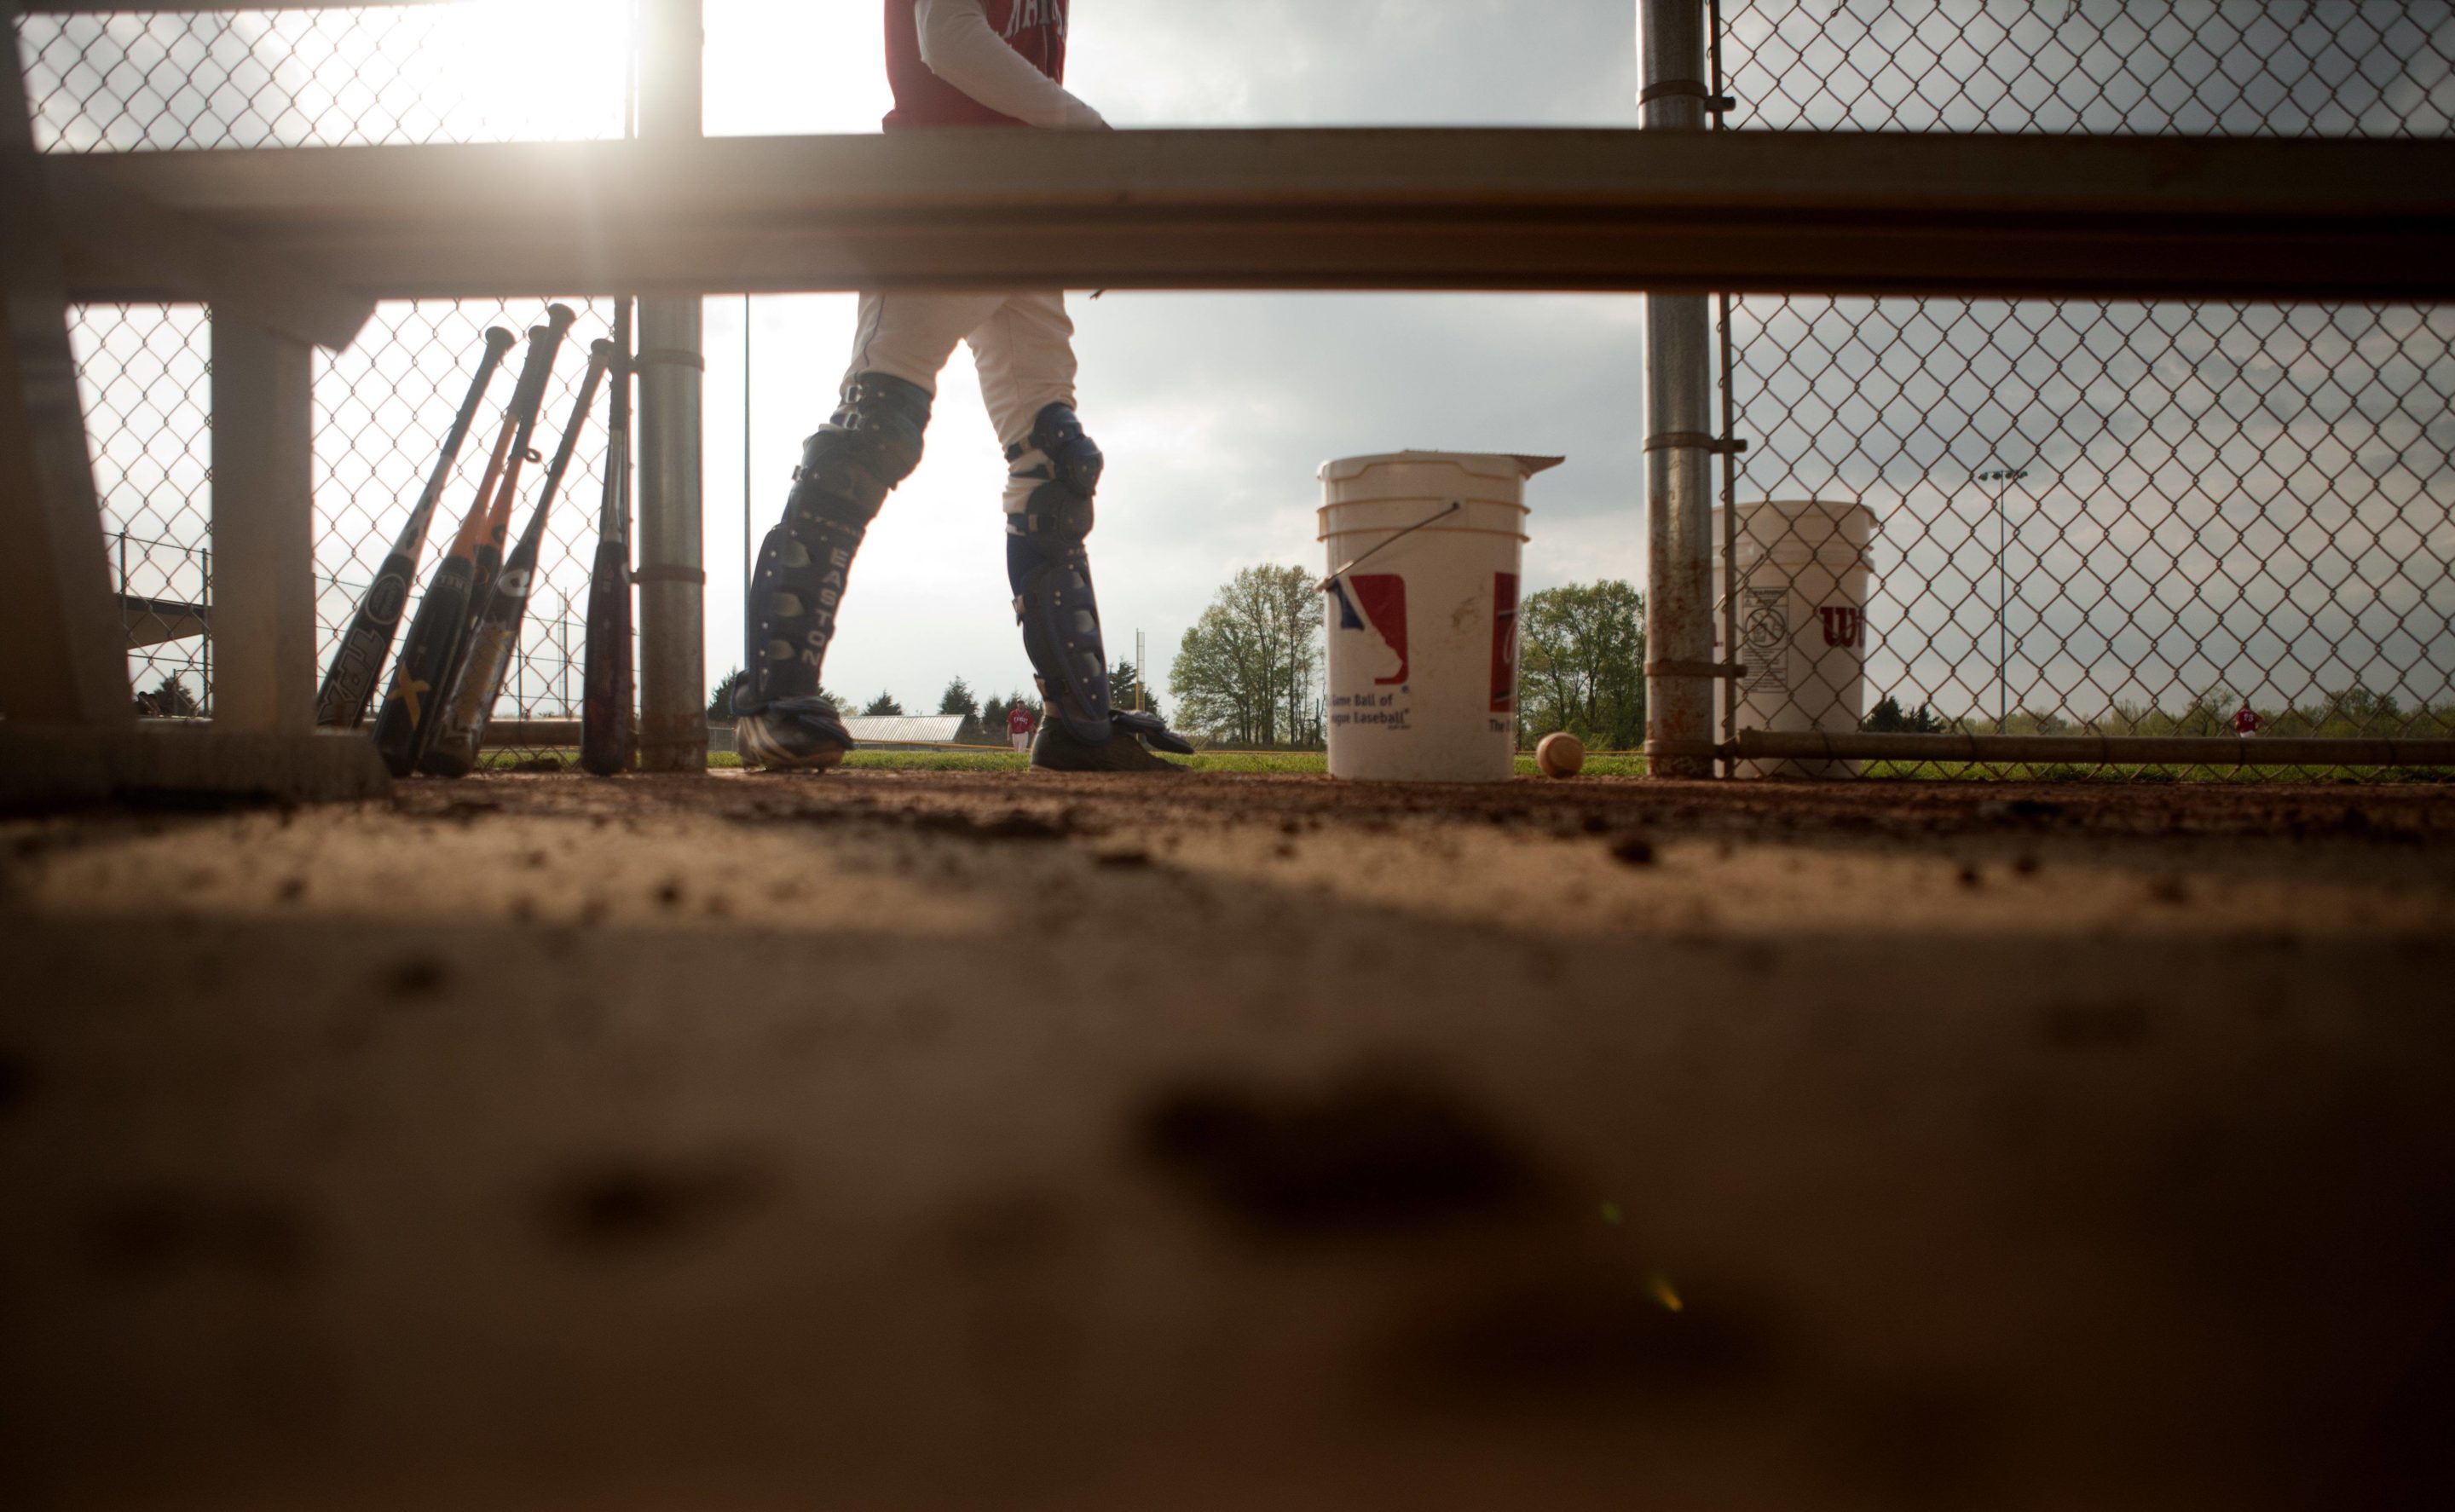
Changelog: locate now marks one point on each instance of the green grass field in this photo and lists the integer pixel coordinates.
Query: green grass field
(2033, 772)
(1309, 763)
(1312, 763)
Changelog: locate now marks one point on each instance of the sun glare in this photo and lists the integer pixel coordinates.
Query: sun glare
(785, 67)
(547, 70)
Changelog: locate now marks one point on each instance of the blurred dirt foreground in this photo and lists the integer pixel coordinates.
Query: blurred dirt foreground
(899, 1141)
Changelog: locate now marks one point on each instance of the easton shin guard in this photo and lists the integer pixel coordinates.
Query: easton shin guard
(1054, 475)
(869, 445)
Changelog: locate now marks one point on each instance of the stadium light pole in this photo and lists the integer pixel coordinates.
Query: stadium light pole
(2002, 478)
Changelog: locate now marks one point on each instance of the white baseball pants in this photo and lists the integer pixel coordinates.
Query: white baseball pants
(1024, 345)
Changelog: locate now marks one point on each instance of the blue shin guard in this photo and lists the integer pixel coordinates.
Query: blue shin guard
(1050, 569)
(870, 443)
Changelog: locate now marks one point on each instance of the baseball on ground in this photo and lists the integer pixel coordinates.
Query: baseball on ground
(1560, 754)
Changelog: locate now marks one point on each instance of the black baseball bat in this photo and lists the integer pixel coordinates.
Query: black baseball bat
(350, 681)
(440, 626)
(461, 721)
(488, 558)
(609, 736)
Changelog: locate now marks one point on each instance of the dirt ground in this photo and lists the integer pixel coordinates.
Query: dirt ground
(902, 1140)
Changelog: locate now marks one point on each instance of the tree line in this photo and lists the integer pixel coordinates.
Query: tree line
(2354, 711)
(984, 718)
(1249, 672)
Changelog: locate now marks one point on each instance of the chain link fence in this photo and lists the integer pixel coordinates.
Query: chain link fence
(2031, 517)
(500, 70)
(2054, 517)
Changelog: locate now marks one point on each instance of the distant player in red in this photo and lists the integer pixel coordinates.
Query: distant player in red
(951, 63)
(2245, 722)
(1018, 727)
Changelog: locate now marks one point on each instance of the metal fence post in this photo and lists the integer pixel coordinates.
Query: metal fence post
(1678, 437)
(673, 675)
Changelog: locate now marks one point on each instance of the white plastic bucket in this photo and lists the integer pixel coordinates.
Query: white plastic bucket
(1806, 568)
(1422, 614)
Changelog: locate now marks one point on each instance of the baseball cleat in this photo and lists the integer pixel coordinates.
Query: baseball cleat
(792, 734)
(1059, 749)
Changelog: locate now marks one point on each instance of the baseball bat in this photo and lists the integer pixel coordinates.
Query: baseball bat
(488, 558)
(460, 720)
(350, 681)
(609, 737)
(440, 626)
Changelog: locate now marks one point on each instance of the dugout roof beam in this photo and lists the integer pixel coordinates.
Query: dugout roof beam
(1739, 212)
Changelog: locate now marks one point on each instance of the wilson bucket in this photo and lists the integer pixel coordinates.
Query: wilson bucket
(1805, 571)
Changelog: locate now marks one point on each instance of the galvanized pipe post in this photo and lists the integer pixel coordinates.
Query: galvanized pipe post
(1679, 444)
(672, 578)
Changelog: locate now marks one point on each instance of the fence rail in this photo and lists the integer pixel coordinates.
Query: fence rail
(1319, 209)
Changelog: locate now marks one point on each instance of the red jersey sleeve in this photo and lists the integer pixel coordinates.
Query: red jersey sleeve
(1036, 29)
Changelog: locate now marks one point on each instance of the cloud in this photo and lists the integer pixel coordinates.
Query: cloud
(1215, 410)
(1384, 62)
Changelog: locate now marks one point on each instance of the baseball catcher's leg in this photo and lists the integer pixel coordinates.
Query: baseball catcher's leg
(1054, 474)
(869, 445)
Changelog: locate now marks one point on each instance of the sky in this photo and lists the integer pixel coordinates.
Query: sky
(1214, 410)
(2254, 496)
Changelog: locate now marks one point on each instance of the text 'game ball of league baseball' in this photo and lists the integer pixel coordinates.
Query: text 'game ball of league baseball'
(1560, 754)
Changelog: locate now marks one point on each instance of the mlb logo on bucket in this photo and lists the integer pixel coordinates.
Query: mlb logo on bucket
(1504, 642)
(1375, 604)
